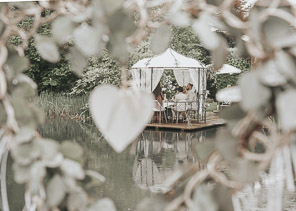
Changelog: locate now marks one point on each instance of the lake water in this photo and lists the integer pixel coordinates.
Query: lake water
(132, 175)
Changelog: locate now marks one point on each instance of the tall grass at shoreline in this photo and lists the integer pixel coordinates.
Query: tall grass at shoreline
(63, 105)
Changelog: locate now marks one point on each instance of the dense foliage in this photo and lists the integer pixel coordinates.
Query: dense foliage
(244, 64)
(224, 80)
(57, 77)
(185, 42)
(100, 70)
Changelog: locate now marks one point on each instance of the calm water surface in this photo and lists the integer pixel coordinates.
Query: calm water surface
(132, 175)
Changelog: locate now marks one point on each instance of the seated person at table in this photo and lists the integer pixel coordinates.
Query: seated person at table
(191, 94)
(180, 95)
(185, 90)
(158, 94)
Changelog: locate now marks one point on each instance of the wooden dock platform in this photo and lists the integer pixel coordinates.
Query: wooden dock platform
(211, 122)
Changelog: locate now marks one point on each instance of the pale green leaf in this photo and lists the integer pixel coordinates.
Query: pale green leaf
(207, 36)
(17, 64)
(254, 94)
(62, 29)
(204, 149)
(275, 29)
(104, 204)
(47, 48)
(49, 148)
(21, 174)
(219, 55)
(285, 106)
(88, 40)
(23, 86)
(111, 6)
(25, 134)
(286, 65)
(72, 151)
(244, 171)
(77, 61)
(24, 154)
(121, 23)
(38, 173)
(226, 145)
(203, 199)
(55, 191)
(77, 201)
(93, 179)
(72, 169)
(160, 40)
(23, 113)
(223, 197)
(117, 47)
(270, 75)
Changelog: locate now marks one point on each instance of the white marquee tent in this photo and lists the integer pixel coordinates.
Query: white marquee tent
(228, 69)
(147, 72)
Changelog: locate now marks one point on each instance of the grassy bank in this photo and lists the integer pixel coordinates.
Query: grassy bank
(72, 107)
(63, 105)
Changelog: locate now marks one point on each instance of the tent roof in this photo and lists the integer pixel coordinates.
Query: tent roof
(168, 59)
(228, 69)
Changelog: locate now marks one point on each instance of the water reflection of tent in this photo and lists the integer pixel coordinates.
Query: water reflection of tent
(149, 171)
(147, 72)
(147, 175)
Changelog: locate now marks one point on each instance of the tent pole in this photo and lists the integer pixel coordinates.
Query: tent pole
(151, 78)
(140, 78)
(198, 95)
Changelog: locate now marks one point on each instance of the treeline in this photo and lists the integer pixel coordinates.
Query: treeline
(101, 69)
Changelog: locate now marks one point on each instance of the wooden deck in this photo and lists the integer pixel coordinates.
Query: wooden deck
(211, 122)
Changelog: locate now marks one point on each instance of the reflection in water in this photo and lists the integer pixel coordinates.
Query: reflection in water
(132, 175)
(159, 154)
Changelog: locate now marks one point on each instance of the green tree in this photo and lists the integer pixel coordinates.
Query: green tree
(48, 76)
(56, 77)
(186, 42)
(101, 70)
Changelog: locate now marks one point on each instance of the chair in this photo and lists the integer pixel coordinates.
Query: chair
(159, 109)
(180, 107)
(193, 106)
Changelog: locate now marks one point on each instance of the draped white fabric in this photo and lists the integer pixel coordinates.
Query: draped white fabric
(156, 76)
(142, 78)
(199, 81)
(196, 76)
(182, 76)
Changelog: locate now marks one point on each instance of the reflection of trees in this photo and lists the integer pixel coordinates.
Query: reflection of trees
(160, 153)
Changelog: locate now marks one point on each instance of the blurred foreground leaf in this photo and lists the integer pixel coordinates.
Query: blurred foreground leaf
(55, 191)
(204, 149)
(104, 204)
(285, 105)
(88, 40)
(62, 29)
(47, 48)
(203, 199)
(72, 151)
(244, 171)
(160, 39)
(77, 61)
(227, 145)
(254, 94)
